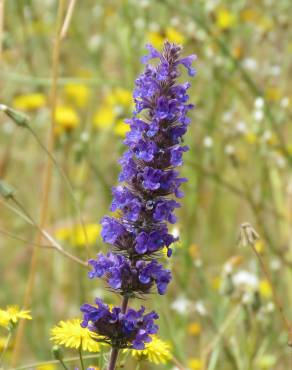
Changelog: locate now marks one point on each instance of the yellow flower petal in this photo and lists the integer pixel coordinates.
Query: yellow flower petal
(75, 235)
(66, 118)
(13, 314)
(265, 289)
(155, 38)
(121, 128)
(157, 351)
(195, 364)
(29, 102)
(225, 19)
(194, 328)
(71, 335)
(174, 35)
(77, 93)
(104, 117)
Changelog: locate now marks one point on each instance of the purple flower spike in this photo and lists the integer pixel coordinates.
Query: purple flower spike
(144, 201)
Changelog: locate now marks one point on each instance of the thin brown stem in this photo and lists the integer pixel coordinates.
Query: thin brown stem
(46, 185)
(276, 299)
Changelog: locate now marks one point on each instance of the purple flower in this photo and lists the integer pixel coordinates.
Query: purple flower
(164, 210)
(122, 330)
(145, 200)
(126, 202)
(129, 278)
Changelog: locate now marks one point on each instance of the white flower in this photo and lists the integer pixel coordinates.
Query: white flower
(208, 142)
(258, 115)
(250, 64)
(246, 279)
(259, 102)
(285, 102)
(241, 127)
(229, 149)
(200, 308)
(181, 305)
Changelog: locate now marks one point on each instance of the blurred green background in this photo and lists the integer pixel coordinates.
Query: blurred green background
(219, 312)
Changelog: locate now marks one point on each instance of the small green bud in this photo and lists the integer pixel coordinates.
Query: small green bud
(18, 117)
(6, 191)
(57, 353)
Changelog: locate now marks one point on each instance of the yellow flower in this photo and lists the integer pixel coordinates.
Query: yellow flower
(259, 246)
(157, 352)
(93, 367)
(248, 15)
(104, 117)
(77, 93)
(120, 96)
(71, 335)
(251, 138)
(194, 251)
(46, 367)
(171, 34)
(12, 314)
(194, 328)
(155, 38)
(216, 282)
(75, 235)
(273, 94)
(224, 19)
(29, 102)
(66, 119)
(195, 364)
(265, 289)
(174, 35)
(121, 128)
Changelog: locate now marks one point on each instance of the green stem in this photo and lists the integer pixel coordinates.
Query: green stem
(81, 357)
(5, 347)
(63, 364)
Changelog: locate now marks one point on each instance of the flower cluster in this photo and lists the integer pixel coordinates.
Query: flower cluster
(126, 277)
(121, 330)
(144, 200)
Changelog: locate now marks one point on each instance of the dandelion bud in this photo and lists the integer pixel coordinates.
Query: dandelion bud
(57, 353)
(6, 191)
(18, 117)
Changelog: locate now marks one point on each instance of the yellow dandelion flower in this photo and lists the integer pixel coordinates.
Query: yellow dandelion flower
(13, 314)
(46, 367)
(248, 15)
(216, 282)
(71, 335)
(157, 351)
(225, 19)
(93, 367)
(194, 328)
(259, 246)
(77, 93)
(75, 235)
(104, 117)
(155, 38)
(174, 35)
(29, 102)
(66, 119)
(265, 289)
(119, 96)
(121, 128)
(251, 138)
(273, 94)
(194, 251)
(195, 364)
